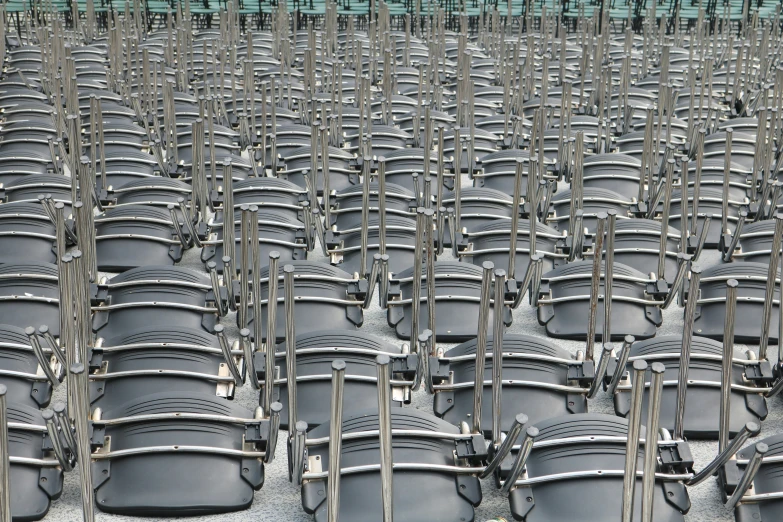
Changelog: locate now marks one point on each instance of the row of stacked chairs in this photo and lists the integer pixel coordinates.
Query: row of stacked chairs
(451, 180)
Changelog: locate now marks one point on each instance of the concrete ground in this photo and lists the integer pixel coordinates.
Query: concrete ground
(280, 500)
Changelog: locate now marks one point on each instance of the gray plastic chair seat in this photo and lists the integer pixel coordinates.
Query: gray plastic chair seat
(135, 235)
(33, 487)
(457, 293)
(327, 298)
(287, 139)
(586, 124)
(496, 124)
(479, 206)
(595, 200)
(492, 242)
(43, 124)
(616, 172)
(346, 211)
(150, 349)
(241, 168)
(28, 188)
(400, 244)
(702, 402)
(419, 496)
(26, 141)
(401, 164)
(342, 173)
(400, 104)
(407, 122)
(565, 300)
(600, 498)
(322, 347)
(120, 173)
(484, 143)
(276, 231)
(498, 171)
(710, 204)
(767, 481)
(711, 310)
(743, 147)
(755, 243)
(17, 164)
(637, 244)
(26, 234)
(29, 295)
(540, 403)
(177, 482)
(712, 175)
(153, 296)
(154, 191)
(384, 139)
(16, 355)
(268, 193)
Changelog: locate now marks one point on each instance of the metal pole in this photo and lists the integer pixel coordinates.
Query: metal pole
(751, 429)
(43, 360)
(696, 186)
(527, 279)
(5, 464)
(632, 445)
(290, 345)
(505, 447)
(595, 283)
(271, 337)
(225, 347)
(532, 222)
(81, 401)
(651, 441)
(429, 217)
(244, 265)
(383, 370)
(622, 361)
(481, 343)
(61, 418)
(576, 181)
(726, 179)
(384, 281)
(685, 352)
(497, 356)
(735, 237)
(606, 336)
(600, 371)
(769, 293)
(229, 237)
(51, 422)
(335, 441)
(512, 252)
(222, 309)
(416, 280)
(667, 201)
(274, 431)
(247, 350)
(728, 352)
(519, 464)
(297, 450)
(325, 168)
(759, 450)
(365, 227)
(382, 205)
(676, 287)
(577, 237)
(702, 237)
